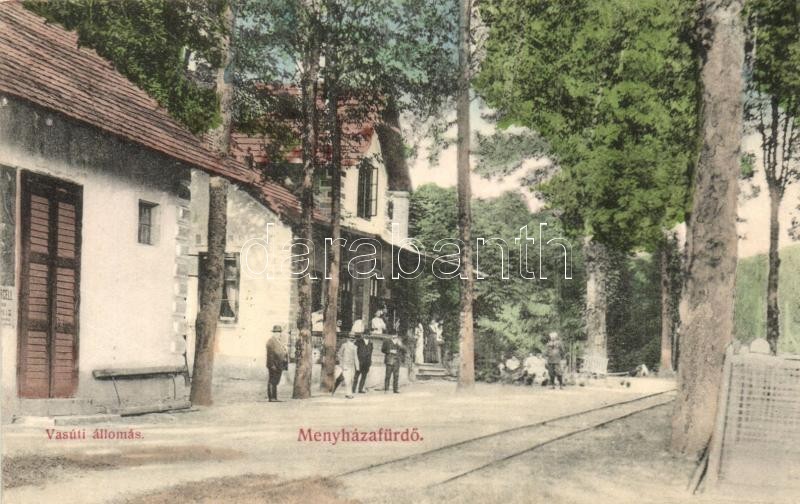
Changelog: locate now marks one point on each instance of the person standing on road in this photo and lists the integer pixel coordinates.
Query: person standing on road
(394, 352)
(277, 362)
(348, 360)
(364, 351)
(555, 352)
(377, 323)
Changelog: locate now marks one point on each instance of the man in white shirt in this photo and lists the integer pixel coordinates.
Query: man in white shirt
(378, 324)
(348, 360)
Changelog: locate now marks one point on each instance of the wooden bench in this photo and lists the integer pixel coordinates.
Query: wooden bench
(143, 372)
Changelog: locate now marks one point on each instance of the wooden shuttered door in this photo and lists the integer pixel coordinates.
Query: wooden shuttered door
(48, 317)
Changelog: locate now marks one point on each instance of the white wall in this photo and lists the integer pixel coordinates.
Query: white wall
(128, 291)
(378, 223)
(264, 298)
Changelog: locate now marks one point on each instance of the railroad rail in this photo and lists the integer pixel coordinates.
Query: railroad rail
(448, 463)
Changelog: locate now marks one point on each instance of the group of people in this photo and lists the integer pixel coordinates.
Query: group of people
(354, 360)
(546, 369)
(432, 345)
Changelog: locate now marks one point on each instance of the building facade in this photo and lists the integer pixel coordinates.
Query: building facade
(94, 259)
(259, 291)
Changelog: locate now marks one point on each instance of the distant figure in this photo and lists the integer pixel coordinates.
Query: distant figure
(317, 321)
(534, 367)
(358, 327)
(555, 352)
(364, 351)
(512, 371)
(378, 324)
(512, 363)
(419, 349)
(277, 362)
(394, 353)
(348, 360)
(438, 339)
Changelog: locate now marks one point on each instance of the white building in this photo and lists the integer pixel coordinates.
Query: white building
(259, 292)
(95, 230)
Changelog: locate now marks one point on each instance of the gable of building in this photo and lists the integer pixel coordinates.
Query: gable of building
(43, 64)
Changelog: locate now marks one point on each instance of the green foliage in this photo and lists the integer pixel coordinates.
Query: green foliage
(149, 42)
(403, 49)
(401, 52)
(611, 86)
(634, 315)
(751, 302)
(748, 165)
(772, 106)
(774, 51)
(432, 216)
(501, 153)
(513, 314)
(751, 299)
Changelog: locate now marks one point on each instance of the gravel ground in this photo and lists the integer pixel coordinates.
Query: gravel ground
(252, 448)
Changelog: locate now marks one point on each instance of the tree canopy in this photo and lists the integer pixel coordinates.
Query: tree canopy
(512, 314)
(773, 95)
(612, 88)
(403, 48)
(151, 42)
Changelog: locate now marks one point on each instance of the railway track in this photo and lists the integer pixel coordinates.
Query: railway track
(450, 463)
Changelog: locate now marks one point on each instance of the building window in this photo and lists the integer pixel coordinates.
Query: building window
(147, 222)
(367, 190)
(325, 178)
(229, 308)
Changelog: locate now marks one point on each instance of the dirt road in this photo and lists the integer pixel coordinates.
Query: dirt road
(254, 448)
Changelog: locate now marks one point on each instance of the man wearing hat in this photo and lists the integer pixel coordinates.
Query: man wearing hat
(364, 351)
(277, 362)
(348, 360)
(394, 355)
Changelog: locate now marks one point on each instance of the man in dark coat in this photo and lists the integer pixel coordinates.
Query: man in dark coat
(277, 362)
(555, 352)
(394, 355)
(364, 350)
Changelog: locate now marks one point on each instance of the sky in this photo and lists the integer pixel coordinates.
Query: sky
(753, 226)
(754, 213)
(444, 172)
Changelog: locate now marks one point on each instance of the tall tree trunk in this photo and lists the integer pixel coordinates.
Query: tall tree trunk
(213, 268)
(303, 364)
(393, 147)
(773, 309)
(597, 264)
(334, 259)
(667, 255)
(708, 298)
(466, 375)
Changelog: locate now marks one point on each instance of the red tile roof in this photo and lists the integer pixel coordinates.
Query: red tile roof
(357, 139)
(358, 128)
(42, 63)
